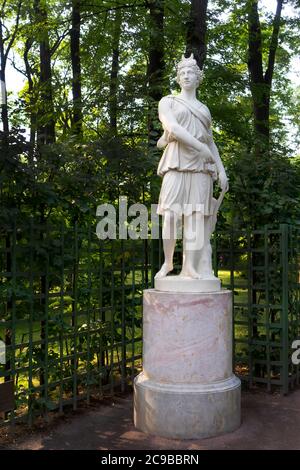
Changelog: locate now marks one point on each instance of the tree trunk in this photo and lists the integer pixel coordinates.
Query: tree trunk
(156, 88)
(4, 109)
(260, 83)
(156, 68)
(46, 122)
(196, 31)
(76, 67)
(259, 89)
(156, 65)
(113, 87)
(32, 107)
(10, 36)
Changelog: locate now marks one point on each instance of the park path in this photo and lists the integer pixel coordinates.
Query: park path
(269, 422)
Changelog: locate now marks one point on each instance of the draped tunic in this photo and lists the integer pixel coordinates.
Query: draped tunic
(197, 121)
(187, 184)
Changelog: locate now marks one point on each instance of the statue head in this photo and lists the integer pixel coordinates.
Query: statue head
(191, 65)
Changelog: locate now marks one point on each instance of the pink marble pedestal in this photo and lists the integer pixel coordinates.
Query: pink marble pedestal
(187, 388)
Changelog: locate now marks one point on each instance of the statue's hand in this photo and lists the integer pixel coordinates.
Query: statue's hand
(223, 181)
(165, 139)
(162, 142)
(206, 153)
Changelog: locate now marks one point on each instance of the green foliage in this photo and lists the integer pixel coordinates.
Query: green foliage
(70, 177)
(43, 185)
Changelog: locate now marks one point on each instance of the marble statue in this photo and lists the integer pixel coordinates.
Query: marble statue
(187, 389)
(189, 166)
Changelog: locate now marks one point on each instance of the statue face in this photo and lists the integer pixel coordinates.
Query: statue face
(187, 78)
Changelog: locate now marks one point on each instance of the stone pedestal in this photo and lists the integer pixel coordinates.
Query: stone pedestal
(186, 284)
(187, 389)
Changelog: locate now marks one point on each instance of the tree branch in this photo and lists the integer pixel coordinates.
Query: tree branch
(273, 44)
(15, 31)
(107, 7)
(59, 40)
(3, 7)
(22, 72)
(29, 69)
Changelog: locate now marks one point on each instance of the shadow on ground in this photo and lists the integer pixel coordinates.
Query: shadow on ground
(269, 422)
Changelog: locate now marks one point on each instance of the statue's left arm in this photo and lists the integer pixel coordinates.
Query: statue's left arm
(222, 177)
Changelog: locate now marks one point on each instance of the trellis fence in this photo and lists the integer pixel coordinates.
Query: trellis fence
(71, 315)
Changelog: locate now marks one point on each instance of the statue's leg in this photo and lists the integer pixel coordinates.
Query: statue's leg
(192, 242)
(169, 241)
(205, 262)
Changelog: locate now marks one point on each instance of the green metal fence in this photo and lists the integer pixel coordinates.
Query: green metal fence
(71, 315)
(262, 268)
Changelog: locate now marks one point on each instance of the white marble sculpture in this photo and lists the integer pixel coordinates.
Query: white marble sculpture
(187, 389)
(189, 166)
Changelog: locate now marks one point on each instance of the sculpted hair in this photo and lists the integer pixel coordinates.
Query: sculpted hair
(189, 62)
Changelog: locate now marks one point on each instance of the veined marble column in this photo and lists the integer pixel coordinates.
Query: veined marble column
(187, 389)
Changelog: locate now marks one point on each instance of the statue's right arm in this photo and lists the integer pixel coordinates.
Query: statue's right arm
(176, 131)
